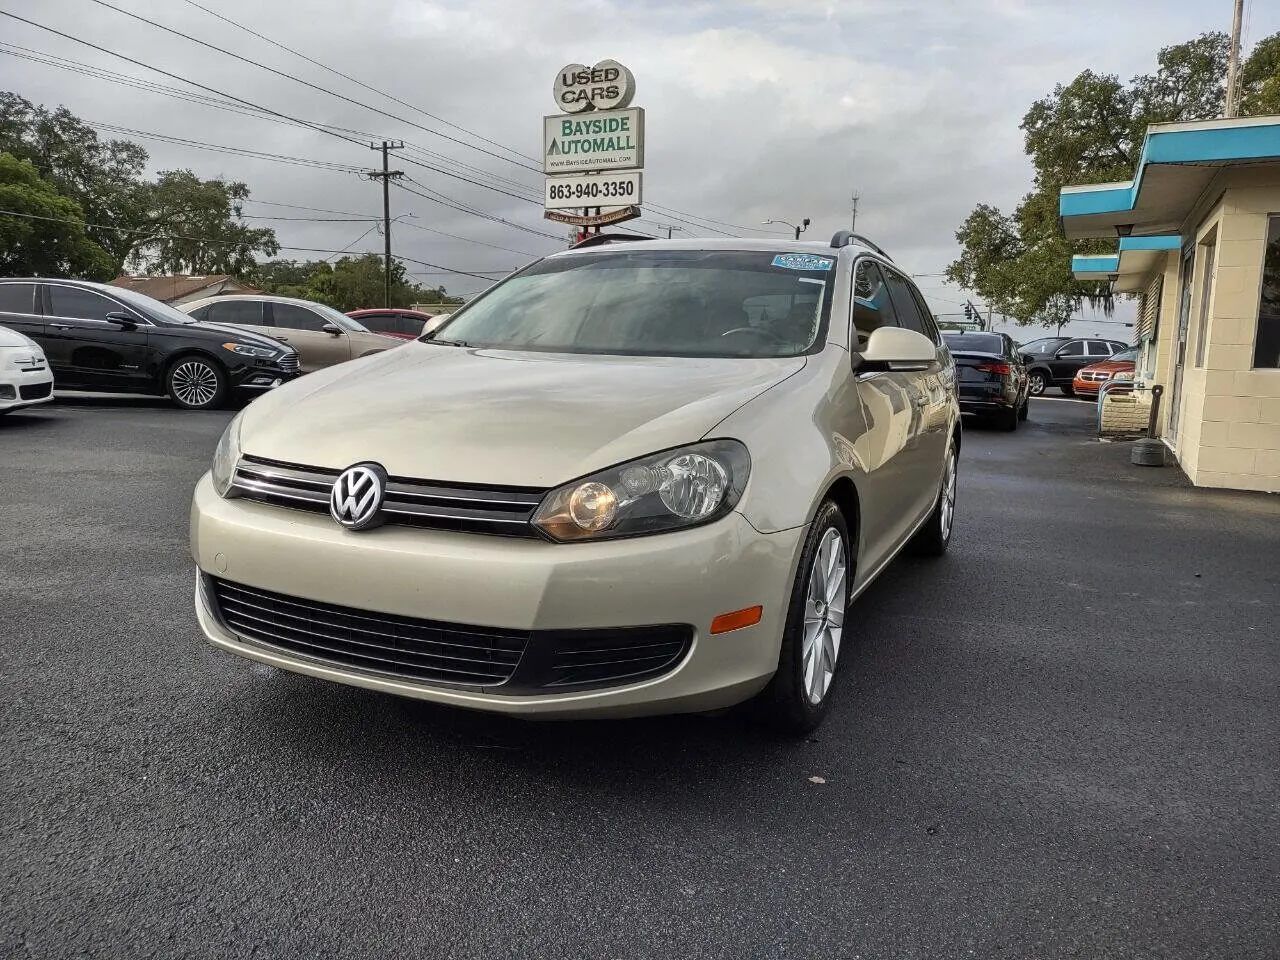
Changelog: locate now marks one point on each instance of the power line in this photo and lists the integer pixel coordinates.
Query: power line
(475, 213)
(307, 83)
(232, 243)
(351, 79)
(174, 76)
(221, 148)
(276, 43)
(454, 236)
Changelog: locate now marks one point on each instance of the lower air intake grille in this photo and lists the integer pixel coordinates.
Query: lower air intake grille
(404, 646)
(35, 391)
(450, 654)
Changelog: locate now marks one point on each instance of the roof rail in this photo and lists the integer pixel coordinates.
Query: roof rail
(843, 238)
(600, 239)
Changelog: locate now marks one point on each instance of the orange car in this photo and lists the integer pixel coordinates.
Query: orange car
(1089, 379)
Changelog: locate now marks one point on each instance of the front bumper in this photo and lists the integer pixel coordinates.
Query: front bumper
(23, 388)
(688, 577)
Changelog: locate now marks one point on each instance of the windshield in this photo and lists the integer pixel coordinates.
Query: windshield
(659, 303)
(1126, 356)
(1041, 348)
(975, 342)
(341, 319)
(161, 311)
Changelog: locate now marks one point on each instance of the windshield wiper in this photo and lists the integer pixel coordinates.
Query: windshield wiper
(449, 343)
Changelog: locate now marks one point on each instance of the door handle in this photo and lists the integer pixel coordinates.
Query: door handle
(60, 326)
(284, 339)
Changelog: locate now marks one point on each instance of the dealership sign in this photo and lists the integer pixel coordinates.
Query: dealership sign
(592, 189)
(593, 151)
(606, 86)
(599, 140)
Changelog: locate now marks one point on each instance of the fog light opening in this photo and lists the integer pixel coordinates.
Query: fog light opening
(737, 620)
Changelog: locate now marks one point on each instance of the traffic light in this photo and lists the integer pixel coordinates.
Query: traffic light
(968, 311)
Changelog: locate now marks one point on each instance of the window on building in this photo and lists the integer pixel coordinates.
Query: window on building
(1206, 295)
(1266, 345)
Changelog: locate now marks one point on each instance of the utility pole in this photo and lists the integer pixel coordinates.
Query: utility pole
(1232, 105)
(853, 212)
(386, 175)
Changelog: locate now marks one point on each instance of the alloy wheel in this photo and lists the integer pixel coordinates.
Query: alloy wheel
(194, 382)
(1036, 384)
(824, 609)
(948, 504)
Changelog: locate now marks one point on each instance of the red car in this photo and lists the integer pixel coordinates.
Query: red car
(405, 324)
(1089, 379)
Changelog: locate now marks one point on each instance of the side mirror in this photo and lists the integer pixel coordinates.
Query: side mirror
(894, 348)
(332, 329)
(123, 320)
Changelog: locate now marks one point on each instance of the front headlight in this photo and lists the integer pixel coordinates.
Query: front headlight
(225, 457)
(672, 490)
(248, 350)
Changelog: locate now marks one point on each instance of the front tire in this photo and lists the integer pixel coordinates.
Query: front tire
(796, 699)
(1037, 383)
(196, 383)
(934, 537)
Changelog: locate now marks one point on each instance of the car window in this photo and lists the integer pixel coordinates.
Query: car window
(199, 313)
(77, 304)
(1126, 356)
(655, 303)
(247, 313)
(976, 342)
(905, 303)
(379, 322)
(926, 314)
(292, 317)
(411, 325)
(1099, 348)
(1075, 348)
(1042, 348)
(872, 306)
(17, 298)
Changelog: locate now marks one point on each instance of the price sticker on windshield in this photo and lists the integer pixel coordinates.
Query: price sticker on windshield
(802, 261)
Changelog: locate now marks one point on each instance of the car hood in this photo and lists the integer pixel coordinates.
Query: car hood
(499, 417)
(231, 331)
(12, 338)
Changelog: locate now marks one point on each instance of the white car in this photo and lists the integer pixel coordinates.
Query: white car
(25, 378)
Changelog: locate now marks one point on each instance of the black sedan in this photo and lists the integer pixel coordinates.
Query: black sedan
(992, 377)
(104, 338)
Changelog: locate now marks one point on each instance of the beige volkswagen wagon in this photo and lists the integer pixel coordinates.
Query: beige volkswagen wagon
(632, 478)
(322, 335)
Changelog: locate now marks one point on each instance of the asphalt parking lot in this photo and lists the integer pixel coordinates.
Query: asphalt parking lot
(1062, 740)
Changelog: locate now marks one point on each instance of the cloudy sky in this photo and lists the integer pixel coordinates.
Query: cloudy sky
(755, 108)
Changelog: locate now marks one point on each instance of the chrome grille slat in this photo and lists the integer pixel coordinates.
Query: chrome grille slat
(502, 511)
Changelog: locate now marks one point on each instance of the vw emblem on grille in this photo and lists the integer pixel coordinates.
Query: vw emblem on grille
(356, 498)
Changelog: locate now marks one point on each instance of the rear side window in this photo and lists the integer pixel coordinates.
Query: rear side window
(245, 313)
(909, 315)
(872, 305)
(17, 297)
(1099, 348)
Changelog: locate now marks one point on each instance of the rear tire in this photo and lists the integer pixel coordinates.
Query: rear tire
(796, 699)
(934, 537)
(196, 383)
(1068, 390)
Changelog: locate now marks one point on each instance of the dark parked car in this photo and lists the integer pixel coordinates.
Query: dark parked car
(407, 324)
(1053, 361)
(991, 377)
(99, 337)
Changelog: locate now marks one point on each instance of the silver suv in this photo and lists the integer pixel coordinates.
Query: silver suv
(632, 478)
